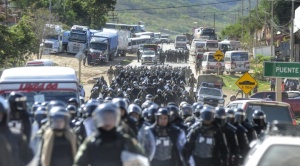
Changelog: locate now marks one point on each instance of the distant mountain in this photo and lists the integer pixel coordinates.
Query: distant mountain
(181, 16)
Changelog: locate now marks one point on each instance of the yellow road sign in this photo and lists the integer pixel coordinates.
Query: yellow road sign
(218, 55)
(246, 83)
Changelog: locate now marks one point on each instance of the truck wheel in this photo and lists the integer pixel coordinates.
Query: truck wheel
(232, 73)
(111, 57)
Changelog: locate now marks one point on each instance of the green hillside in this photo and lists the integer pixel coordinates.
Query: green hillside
(177, 16)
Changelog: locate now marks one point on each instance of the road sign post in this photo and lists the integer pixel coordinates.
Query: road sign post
(246, 83)
(281, 70)
(80, 55)
(218, 56)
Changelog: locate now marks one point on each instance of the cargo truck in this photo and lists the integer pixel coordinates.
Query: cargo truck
(102, 47)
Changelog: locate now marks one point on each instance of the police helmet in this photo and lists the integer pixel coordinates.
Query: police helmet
(240, 115)
(55, 103)
(100, 100)
(90, 107)
(138, 102)
(220, 116)
(40, 114)
(230, 114)
(134, 108)
(120, 103)
(106, 114)
(35, 106)
(72, 110)
(181, 104)
(197, 111)
(152, 111)
(149, 97)
(82, 101)
(162, 111)
(207, 114)
(145, 114)
(173, 111)
(147, 104)
(73, 101)
(59, 118)
(108, 99)
(259, 117)
(186, 110)
(195, 105)
(17, 101)
(5, 110)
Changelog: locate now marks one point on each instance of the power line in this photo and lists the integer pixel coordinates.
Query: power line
(175, 7)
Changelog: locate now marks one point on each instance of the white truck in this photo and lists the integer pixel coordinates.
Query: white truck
(79, 39)
(52, 41)
(123, 38)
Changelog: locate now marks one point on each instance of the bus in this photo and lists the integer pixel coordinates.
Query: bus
(151, 34)
(236, 61)
(133, 44)
(132, 28)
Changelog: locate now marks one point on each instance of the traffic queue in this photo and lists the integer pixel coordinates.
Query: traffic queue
(142, 116)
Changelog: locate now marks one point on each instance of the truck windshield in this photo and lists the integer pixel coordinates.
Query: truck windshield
(52, 37)
(63, 96)
(77, 37)
(210, 91)
(149, 53)
(181, 38)
(212, 45)
(98, 46)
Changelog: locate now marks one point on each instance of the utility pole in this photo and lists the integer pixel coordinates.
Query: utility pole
(6, 12)
(50, 6)
(292, 32)
(272, 29)
(114, 16)
(215, 21)
(242, 35)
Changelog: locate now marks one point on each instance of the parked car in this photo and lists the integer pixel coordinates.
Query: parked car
(274, 110)
(291, 97)
(280, 146)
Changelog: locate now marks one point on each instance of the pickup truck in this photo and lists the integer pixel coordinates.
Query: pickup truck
(290, 97)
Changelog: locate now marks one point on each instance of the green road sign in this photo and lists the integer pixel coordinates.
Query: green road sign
(282, 69)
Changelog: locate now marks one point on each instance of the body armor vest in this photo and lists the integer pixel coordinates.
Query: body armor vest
(204, 144)
(163, 148)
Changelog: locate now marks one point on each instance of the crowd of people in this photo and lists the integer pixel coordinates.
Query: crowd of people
(119, 126)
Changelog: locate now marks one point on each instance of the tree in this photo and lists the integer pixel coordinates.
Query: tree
(38, 22)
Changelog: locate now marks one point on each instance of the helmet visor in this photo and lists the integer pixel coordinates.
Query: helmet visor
(106, 119)
(58, 123)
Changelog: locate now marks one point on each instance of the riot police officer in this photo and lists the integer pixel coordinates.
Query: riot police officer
(129, 125)
(202, 141)
(107, 143)
(259, 121)
(21, 152)
(239, 116)
(110, 73)
(19, 117)
(166, 141)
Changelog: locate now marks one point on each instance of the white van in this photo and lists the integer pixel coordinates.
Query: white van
(180, 41)
(212, 45)
(40, 84)
(230, 44)
(197, 46)
(210, 64)
(236, 61)
(41, 62)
